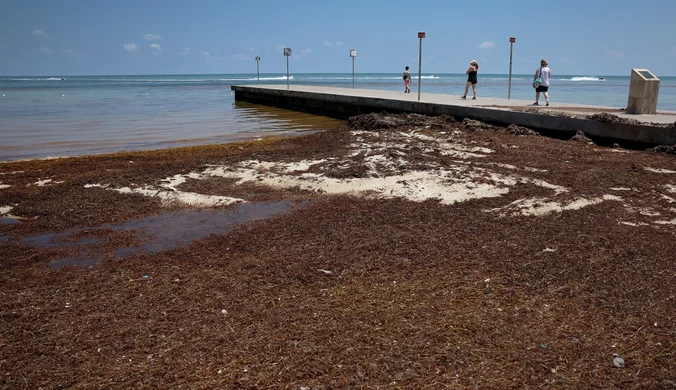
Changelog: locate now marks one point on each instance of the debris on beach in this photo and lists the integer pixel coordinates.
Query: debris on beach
(385, 120)
(520, 130)
(666, 149)
(606, 117)
(475, 125)
(581, 137)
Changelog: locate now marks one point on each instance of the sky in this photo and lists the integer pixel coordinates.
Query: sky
(121, 37)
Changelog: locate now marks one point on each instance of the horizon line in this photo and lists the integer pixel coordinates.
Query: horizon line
(283, 74)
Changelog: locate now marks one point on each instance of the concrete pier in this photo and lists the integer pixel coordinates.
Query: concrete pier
(659, 128)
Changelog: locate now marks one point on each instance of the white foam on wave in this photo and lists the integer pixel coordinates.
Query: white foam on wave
(584, 78)
(256, 78)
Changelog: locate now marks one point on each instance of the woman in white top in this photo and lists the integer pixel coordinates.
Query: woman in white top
(544, 74)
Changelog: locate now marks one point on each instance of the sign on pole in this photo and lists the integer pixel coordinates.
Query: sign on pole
(258, 73)
(421, 35)
(353, 53)
(511, 47)
(287, 54)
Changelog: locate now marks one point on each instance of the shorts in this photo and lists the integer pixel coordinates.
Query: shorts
(407, 82)
(472, 80)
(542, 88)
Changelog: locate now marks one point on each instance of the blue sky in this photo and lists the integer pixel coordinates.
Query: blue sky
(120, 37)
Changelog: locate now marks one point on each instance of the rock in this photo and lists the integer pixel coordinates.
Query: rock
(618, 362)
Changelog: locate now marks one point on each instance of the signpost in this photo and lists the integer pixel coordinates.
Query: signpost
(421, 35)
(511, 47)
(258, 73)
(287, 54)
(353, 53)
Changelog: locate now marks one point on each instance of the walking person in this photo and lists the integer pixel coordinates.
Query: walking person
(471, 79)
(407, 80)
(541, 82)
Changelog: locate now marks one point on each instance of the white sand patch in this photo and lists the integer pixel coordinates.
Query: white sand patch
(658, 170)
(303, 165)
(671, 222)
(168, 193)
(529, 169)
(671, 188)
(620, 189)
(41, 183)
(2, 186)
(543, 206)
(415, 186)
(187, 198)
(4, 210)
(668, 198)
(11, 173)
(176, 180)
(557, 188)
(634, 224)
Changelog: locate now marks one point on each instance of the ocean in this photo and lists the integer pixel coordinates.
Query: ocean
(49, 116)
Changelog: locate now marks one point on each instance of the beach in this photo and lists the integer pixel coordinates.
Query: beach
(391, 251)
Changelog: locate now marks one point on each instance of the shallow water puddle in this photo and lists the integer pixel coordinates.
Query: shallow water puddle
(8, 221)
(161, 232)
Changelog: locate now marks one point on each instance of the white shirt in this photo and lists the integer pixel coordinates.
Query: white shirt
(544, 76)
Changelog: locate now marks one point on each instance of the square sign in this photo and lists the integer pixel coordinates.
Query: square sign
(421, 35)
(512, 39)
(287, 51)
(353, 53)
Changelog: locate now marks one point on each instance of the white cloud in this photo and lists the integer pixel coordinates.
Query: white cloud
(152, 37)
(185, 52)
(487, 45)
(130, 47)
(306, 51)
(252, 49)
(280, 48)
(156, 49)
(614, 53)
(39, 33)
(209, 56)
(44, 50)
(329, 43)
(240, 56)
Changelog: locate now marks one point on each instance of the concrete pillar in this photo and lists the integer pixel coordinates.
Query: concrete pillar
(643, 90)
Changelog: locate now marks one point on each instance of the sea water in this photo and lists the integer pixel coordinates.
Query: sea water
(79, 115)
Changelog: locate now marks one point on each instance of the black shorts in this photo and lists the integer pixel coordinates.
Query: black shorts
(472, 80)
(542, 88)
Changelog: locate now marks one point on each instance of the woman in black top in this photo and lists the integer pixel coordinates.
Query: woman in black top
(471, 79)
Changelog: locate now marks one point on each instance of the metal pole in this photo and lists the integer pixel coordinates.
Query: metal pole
(258, 73)
(287, 72)
(509, 91)
(352, 72)
(419, 67)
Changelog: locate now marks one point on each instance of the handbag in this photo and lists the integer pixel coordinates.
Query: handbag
(538, 81)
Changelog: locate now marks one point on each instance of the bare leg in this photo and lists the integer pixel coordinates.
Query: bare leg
(466, 89)
(537, 96)
(474, 90)
(547, 96)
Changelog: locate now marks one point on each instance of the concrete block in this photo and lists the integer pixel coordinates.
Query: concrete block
(644, 88)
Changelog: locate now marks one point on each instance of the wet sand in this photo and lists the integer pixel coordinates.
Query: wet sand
(394, 252)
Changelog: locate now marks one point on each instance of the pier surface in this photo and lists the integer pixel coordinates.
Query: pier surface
(613, 123)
